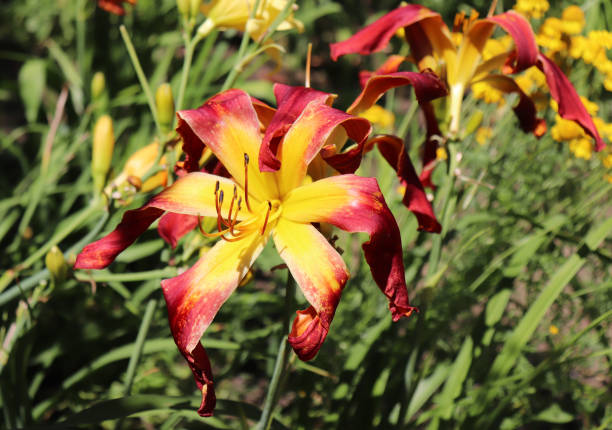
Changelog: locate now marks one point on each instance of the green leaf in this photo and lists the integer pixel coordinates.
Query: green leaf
(524, 330)
(496, 306)
(597, 234)
(426, 388)
(32, 80)
(554, 414)
(454, 382)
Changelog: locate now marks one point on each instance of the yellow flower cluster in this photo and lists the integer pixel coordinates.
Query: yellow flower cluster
(531, 8)
(580, 143)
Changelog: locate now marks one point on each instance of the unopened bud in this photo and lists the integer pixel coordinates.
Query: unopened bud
(165, 106)
(98, 83)
(56, 263)
(102, 153)
(194, 7)
(183, 7)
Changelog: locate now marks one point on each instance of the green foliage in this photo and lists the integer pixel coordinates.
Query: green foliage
(515, 298)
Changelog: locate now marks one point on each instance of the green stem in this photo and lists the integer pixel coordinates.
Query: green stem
(139, 345)
(80, 32)
(281, 360)
(144, 83)
(407, 119)
(444, 197)
(99, 276)
(190, 45)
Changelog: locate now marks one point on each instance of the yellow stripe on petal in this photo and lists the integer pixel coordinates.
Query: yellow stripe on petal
(194, 194)
(316, 266)
(194, 297)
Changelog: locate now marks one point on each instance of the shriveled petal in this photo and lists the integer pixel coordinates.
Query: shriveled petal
(173, 226)
(291, 103)
(355, 204)
(228, 124)
(101, 253)
(570, 105)
(427, 86)
(307, 136)
(391, 65)
(321, 274)
(202, 374)
(393, 150)
(376, 36)
(524, 40)
(525, 110)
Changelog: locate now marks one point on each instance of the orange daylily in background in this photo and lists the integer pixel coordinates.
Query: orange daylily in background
(114, 6)
(460, 64)
(252, 206)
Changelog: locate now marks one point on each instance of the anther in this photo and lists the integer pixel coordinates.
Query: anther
(263, 230)
(246, 180)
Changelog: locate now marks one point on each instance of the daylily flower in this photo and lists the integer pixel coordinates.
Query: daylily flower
(235, 14)
(114, 6)
(253, 206)
(461, 65)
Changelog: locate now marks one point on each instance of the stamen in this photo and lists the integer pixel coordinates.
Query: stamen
(209, 235)
(308, 55)
(263, 230)
(218, 207)
(246, 180)
(233, 221)
(229, 212)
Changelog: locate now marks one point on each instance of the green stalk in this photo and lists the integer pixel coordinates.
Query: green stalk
(281, 360)
(190, 45)
(231, 78)
(144, 83)
(139, 345)
(444, 197)
(80, 33)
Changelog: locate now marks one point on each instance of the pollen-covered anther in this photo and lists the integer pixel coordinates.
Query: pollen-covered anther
(246, 181)
(263, 229)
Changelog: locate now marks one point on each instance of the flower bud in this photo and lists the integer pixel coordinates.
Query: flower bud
(98, 83)
(165, 106)
(102, 153)
(474, 122)
(183, 7)
(55, 262)
(194, 8)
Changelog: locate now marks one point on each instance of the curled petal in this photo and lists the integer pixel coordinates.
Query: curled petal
(524, 40)
(525, 110)
(570, 105)
(194, 297)
(307, 135)
(393, 150)
(291, 103)
(228, 124)
(355, 204)
(321, 274)
(376, 36)
(173, 226)
(391, 65)
(202, 374)
(101, 253)
(427, 86)
(114, 6)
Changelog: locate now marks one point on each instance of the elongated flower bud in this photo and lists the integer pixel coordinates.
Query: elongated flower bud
(165, 106)
(98, 83)
(194, 7)
(102, 153)
(183, 7)
(56, 263)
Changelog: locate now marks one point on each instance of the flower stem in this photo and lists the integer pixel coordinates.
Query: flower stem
(144, 83)
(444, 197)
(190, 45)
(281, 360)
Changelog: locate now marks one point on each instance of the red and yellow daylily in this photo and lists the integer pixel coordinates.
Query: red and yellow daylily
(461, 63)
(114, 6)
(252, 206)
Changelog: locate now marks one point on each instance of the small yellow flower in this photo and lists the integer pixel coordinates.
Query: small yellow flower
(581, 147)
(487, 93)
(224, 14)
(379, 116)
(564, 130)
(573, 20)
(441, 153)
(483, 134)
(606, 160)
(531, 8)
(553, 329)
